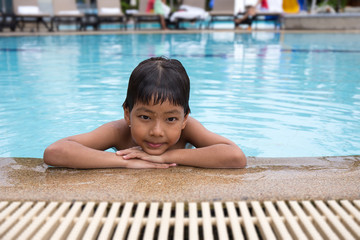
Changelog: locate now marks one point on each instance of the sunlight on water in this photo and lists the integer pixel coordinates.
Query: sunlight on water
(274, 95)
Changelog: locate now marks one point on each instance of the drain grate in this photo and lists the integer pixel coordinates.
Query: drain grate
(229, 220)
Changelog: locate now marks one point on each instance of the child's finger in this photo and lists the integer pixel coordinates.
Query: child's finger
(129, 150)
(135, 163)
(122, 152)
(133, 155)
(137, 147)
(162, 165)
(126, 152)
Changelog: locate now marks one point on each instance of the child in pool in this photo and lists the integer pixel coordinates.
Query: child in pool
(155, 129)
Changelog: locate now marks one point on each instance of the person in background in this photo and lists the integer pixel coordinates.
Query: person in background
(160, 8)
(250, 14)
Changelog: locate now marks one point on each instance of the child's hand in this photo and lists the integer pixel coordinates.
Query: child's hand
(135, 163)
(136, 153)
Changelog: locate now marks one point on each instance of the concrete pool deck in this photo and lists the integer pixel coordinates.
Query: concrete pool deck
(320, 178)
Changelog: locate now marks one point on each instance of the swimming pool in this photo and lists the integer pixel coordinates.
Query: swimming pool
(275, 95)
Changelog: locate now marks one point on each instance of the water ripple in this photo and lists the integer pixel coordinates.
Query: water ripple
(274, 95)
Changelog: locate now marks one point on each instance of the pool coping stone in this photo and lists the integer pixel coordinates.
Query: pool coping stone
(264, 179)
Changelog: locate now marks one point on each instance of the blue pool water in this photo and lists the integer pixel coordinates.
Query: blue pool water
(275, 95)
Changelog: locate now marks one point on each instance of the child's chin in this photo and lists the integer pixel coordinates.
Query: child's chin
(154, 152)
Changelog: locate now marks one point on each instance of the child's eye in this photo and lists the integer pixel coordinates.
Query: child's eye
(144, 117)
(172, 119)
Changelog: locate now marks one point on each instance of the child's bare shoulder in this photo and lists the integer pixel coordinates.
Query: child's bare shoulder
(118, 128)
(192, 128)
(117, 124)
(115, 130)
(192, 123)
(117, 133)
(199, 136)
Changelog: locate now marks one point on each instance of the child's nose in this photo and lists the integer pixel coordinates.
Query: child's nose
(157, 130)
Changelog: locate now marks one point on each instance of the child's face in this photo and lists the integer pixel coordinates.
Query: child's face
(155, 128)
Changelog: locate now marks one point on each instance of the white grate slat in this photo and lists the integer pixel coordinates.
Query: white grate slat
(8, 210)
(24, 221)
(280, 228)
(357, 203)
(334, 220)
(220, 221)
(207, 225)
(165, 221)
(248, 222)
(179, 221)
(37, 222)
(319, 221)
(234, 221)
(110, 221)
(305, 221)
(3, 204)
(355, 213)
(264, 225)
(138, 218)
(151, 222)
(293, 225)
(82, 221)
(13, 218)
(94, 226)
(193, 221)
(346, 218)
(65, 227)
(50, 225)
(124, 222)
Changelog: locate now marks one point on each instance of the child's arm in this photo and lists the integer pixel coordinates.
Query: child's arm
(87, 150)
(212, 150)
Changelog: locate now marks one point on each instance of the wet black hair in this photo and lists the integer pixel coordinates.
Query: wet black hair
(158, 79)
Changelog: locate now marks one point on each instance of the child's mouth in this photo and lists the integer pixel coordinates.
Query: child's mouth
(154, 145)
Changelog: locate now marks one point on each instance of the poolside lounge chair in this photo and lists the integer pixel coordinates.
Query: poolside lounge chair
(66, 11)
(7, 20)
(272, 12)
(143, 16)
(2, 22)
(223, 10)
(190, 11)
(274, 17)
(110, 11)
(28, 11)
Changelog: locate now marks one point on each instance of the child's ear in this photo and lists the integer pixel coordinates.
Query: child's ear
(185, 121)
(127, 116)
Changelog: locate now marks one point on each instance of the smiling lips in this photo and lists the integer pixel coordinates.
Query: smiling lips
(154, 145)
